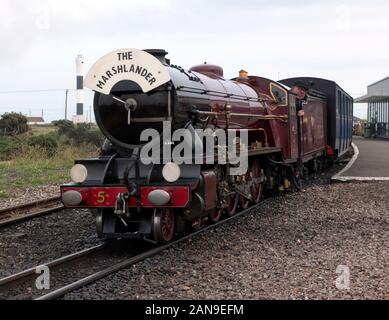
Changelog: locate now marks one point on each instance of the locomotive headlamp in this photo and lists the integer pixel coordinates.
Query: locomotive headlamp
(171, 172)
(79, 173)
(72, 198)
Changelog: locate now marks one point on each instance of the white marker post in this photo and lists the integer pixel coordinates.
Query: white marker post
(80, 118)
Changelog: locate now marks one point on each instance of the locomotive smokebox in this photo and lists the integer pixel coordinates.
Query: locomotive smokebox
(132, 93)
(123, 125)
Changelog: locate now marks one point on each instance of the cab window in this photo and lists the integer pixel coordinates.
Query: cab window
(279, 94)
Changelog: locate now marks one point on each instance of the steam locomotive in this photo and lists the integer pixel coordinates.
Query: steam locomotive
(140, 90)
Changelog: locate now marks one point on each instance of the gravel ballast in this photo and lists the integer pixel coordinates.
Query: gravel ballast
(42, 239)
(287, 248)
(27, 195)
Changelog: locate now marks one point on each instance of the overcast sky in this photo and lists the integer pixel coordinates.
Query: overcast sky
(346, 41)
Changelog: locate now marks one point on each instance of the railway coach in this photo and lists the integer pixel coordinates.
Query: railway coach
(340, 110)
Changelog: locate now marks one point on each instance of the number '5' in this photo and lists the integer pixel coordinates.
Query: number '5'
(101, 197)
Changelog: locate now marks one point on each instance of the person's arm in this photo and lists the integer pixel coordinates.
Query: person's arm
(300, 110)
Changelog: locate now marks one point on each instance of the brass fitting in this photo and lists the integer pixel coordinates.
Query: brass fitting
(228, 112)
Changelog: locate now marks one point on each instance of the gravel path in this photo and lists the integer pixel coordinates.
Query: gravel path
(287, 248)
(27, 195)
(46, 238)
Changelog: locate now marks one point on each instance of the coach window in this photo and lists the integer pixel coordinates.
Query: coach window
(279, 94)
(338, 105)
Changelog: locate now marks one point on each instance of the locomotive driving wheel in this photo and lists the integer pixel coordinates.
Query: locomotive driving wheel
(244, 202)
(163, 225)
(232, 204)
(216, 215)
(257, 186)
(99, 224)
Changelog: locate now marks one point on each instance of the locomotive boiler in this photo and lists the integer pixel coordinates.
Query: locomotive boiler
(141, 100)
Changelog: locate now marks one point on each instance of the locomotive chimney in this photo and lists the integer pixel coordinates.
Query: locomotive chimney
(160, 54)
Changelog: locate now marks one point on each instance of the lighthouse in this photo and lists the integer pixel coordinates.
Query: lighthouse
(80, 117)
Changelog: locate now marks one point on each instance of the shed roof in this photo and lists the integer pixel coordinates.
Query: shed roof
(35, 119)
(377, 91)
(371, 98)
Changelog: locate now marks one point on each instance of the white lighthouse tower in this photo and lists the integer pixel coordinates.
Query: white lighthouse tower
(80, 117)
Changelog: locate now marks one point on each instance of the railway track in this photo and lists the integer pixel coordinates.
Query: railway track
(29, 211)
(22, 285)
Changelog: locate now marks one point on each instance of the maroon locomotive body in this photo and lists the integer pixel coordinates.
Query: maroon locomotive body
(158, 200)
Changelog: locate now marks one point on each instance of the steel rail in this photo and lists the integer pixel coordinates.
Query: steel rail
(133, 260)
(26, 274)
(29, 204)
(9, 216)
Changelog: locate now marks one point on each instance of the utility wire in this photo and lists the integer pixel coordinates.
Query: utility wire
(36, 91)
(32, 91)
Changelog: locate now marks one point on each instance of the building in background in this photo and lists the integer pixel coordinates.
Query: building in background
(377, 98)
(80, 117)
(35, 120)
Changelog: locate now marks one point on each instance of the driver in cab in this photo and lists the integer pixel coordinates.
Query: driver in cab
(301, 91)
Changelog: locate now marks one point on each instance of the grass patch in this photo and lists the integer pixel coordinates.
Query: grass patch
(3, 194)
(43, 129)
(33, 168)
(44, 155)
